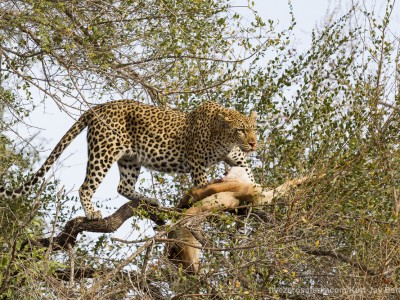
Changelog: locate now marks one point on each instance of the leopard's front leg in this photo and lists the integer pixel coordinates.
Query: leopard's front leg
(237, 158)
(198, 171)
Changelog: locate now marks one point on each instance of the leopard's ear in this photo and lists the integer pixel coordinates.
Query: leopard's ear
(253, 116)
(224, 119)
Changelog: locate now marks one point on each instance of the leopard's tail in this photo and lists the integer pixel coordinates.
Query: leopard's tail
(55, 154)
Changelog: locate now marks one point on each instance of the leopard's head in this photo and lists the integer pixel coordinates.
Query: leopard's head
(239, 129)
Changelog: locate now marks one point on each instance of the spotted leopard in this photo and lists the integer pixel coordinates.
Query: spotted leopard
(135, 134)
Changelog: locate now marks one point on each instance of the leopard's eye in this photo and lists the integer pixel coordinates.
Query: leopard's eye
(241, 130)
(252, 128)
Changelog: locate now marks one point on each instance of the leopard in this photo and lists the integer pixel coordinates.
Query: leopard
(136, 135)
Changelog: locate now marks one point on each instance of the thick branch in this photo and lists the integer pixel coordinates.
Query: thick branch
(109, 224)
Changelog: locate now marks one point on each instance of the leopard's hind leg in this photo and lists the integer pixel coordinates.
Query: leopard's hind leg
(129, 170)
(99, 162)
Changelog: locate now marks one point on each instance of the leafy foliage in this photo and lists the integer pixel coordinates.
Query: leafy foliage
(330, 112)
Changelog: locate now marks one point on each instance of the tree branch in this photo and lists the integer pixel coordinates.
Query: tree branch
(355, 264)
(109, 224)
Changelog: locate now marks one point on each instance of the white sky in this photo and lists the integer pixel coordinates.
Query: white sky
(308, 13)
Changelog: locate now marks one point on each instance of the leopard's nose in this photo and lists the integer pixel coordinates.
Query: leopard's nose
(253, 145)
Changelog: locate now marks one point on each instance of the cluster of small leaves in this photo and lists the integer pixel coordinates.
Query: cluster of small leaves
(19, 219)
(333, 110)
(87, 49)
(331, 113)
